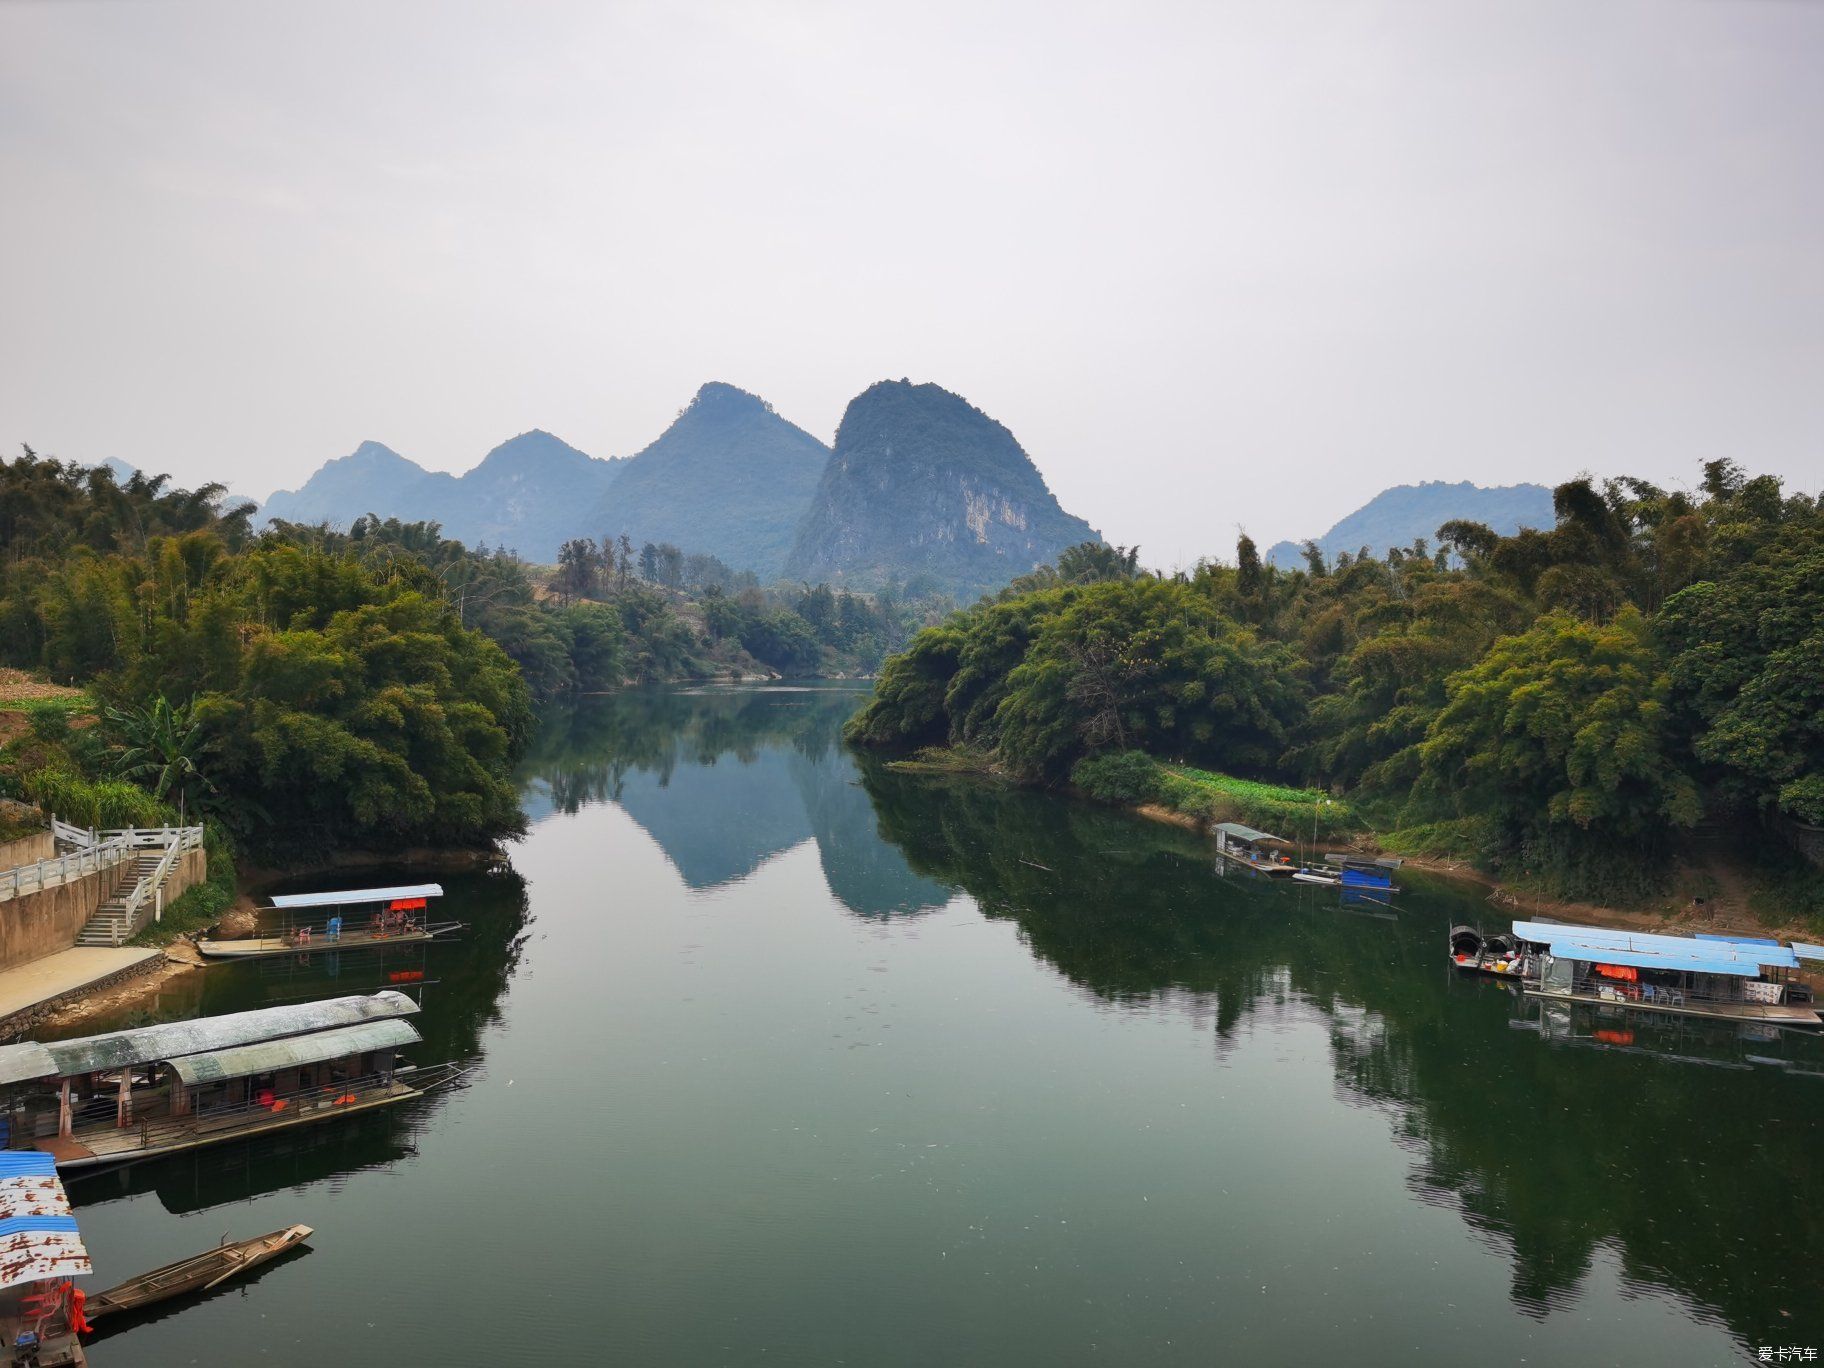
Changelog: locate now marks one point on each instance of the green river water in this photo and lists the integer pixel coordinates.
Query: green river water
(785, 1058)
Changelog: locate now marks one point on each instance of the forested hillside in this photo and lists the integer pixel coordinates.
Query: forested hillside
(1564, 705)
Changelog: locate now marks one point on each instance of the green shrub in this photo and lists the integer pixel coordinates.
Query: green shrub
(95, 802)
(1125, 777)
(202, 904)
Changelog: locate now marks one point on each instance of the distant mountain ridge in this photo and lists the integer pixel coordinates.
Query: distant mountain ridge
(923, 483)
(523, 495)
(1396, 516)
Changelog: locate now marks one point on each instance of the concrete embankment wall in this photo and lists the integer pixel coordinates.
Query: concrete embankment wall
(45, 922)
(191, 869)
(27, 850)
(48, 921)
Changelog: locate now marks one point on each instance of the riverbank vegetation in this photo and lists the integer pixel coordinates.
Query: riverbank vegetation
(299, 693)
(308, 688)
(1563, 706)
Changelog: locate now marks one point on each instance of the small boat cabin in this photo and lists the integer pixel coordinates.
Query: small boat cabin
(1259, 851)
(179, 1085)
(1735, 978)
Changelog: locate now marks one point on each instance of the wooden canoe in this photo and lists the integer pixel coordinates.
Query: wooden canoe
(198, 1273)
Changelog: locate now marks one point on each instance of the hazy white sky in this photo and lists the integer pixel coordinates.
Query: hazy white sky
(1212, 263)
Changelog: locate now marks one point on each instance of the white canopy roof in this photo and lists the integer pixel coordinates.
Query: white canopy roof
(358, 895)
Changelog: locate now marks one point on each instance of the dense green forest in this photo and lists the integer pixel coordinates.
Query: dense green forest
(1564, 706)
(373, 687)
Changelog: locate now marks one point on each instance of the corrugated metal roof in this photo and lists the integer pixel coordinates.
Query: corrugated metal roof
(1808, 952)
(1647, 950)
(1736, 940)
(272, 1055)
(38, 1234)
(119, 1049)
(1247, 833)
(358, 895)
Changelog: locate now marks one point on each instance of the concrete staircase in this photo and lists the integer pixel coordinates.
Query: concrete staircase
(111, 924)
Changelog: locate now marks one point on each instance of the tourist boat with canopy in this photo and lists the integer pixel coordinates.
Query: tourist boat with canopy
(1725, 977)
(155, 1090)
(346, 919)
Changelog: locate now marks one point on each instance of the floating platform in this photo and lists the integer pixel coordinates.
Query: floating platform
(1767, 1013)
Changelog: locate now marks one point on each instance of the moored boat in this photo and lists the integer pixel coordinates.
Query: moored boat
(347, 919)
(1364, 871)
(198, 1273)
(1499, 956)
(1730, 978)
(157, 1090)
(1260, 852)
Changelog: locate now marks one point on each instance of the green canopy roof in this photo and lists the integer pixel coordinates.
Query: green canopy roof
(1248, 833)
(272, 1055)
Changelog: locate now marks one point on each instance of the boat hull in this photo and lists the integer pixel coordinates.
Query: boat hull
(195, 1274)
(1770, 1014)
(263, 946)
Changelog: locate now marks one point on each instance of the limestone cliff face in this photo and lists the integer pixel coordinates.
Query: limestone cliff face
(923, 483)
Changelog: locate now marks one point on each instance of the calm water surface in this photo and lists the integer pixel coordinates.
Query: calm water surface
(783, 1058)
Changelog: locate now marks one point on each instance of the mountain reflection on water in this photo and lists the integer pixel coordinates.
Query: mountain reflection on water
(1702, 1181)
(726, 779)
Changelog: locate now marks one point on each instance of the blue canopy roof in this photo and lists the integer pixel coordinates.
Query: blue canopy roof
(1809, 952)
(1646, 950)
(1738, 940)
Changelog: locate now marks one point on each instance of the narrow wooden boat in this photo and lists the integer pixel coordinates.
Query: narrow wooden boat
(198, 1273)
(256, 947)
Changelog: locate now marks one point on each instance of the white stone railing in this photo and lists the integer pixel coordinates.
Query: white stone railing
(177, 841)
(91, 859)
(94, 851)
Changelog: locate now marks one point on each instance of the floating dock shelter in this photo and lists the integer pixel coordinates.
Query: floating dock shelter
(1732, 978)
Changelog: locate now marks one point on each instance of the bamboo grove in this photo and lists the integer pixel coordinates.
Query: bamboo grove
(1563, 704)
